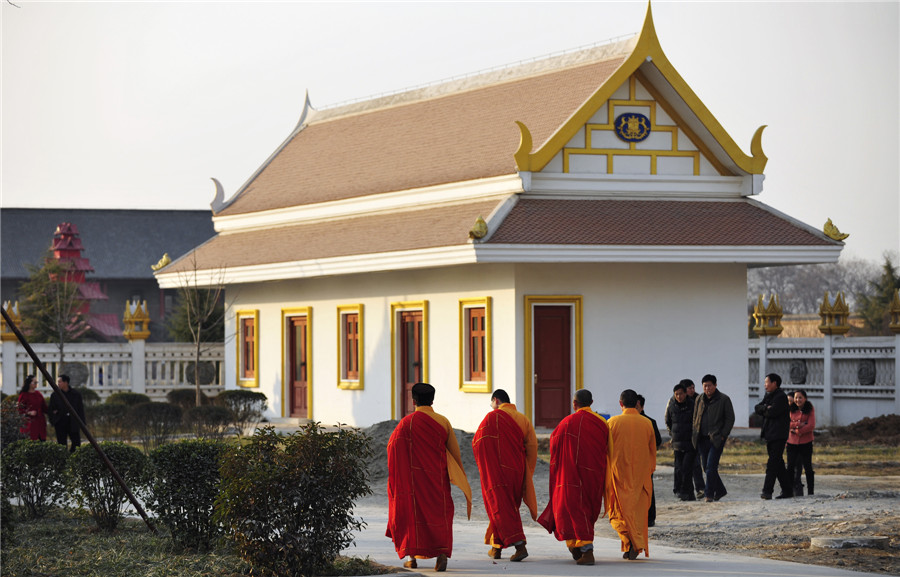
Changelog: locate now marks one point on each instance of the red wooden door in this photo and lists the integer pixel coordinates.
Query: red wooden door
(552, 364)
(410, 346)
(297, 366)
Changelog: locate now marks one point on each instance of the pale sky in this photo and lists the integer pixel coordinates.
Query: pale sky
(137, 104)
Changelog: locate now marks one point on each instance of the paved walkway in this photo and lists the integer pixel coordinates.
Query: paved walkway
(550, 558)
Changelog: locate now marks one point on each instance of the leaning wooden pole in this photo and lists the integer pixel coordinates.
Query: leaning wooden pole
(74, 414)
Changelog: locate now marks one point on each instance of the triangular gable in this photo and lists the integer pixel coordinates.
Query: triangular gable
(635, 132)
(648, 64)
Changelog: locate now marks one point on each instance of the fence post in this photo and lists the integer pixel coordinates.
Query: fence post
(763, 363)
(835, 315)
(136, 331)
(825, 416)
(8, 354)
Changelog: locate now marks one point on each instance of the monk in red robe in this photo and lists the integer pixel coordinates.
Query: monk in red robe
(423, 459)
(505, 448)
(632, 460)
(578, 453)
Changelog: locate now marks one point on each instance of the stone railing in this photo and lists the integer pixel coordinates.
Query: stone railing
(150, 368)
(845, 378)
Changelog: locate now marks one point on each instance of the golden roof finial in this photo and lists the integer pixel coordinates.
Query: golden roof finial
(479, 230)
(165, 260)
(832, 231)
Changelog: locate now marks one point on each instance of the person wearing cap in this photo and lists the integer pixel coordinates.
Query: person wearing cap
(505, 448)
(632, 460)
(578, 457)
(423, 459)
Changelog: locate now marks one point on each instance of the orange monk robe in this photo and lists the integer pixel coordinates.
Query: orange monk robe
(632, 460)
(423, 459)
(505, 448)
(578, 470)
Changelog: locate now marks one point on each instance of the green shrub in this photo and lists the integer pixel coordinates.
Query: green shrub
(209, 421)
(94, 486)
(184, 488)
(89, 396)
(110, 421)
(127, 398)
(7, 524)
(247, 406)
(287, 502)
(11, 421)
(184, 399)
(154, 423)
(33, 472)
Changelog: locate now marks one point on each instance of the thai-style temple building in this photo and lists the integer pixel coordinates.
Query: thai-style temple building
(577, 221)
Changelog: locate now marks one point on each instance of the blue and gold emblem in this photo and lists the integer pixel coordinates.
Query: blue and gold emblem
(632, 127)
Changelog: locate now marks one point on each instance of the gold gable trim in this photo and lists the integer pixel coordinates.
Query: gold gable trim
(647, 49)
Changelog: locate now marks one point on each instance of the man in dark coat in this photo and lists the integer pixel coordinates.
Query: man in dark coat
(679, 421)
(713, 421)
(651, 513)
(775, 411)
(60, 417)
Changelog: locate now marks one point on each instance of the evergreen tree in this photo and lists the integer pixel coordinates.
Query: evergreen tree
(874, 304)
(51, 308)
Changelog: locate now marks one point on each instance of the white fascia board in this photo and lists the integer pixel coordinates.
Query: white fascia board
(640, 186)
(752, 255)
(412, 199)
(355, 264)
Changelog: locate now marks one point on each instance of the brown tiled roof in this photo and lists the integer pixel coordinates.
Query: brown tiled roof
(649, 223)
(457, 137)
(397, 231)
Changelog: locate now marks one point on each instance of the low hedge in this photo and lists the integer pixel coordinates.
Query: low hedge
(94, 486)
(184, 488)
(247, 406)
(33, 472)
(154, 423)
(127, 398)
(209, 421)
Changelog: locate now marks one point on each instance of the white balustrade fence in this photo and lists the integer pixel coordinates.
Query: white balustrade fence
(845, 378)
(150, 368)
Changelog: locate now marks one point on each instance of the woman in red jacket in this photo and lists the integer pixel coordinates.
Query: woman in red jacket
(800, 442)
(34, 407)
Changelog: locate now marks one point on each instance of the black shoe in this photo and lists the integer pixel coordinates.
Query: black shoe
(785, 496)
(687, 497)
(701, 493)
(720, 495)
(766, 496)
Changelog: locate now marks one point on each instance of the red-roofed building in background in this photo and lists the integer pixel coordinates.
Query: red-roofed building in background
(67, 248)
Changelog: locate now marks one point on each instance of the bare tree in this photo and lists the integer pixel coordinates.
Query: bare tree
(199, 313)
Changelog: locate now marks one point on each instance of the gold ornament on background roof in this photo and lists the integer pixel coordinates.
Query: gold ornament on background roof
(768, 317)
(832, 231)
(12, 309)
(137, 321)
(479, 230)
(835, 315)
(895, 313)
(165, 260)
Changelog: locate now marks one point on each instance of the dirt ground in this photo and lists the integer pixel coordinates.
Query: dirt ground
(741, 523)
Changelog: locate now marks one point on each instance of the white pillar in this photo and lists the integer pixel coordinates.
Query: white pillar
(763, 364)
(8, 376)
(897, 374)
(138, 367)
(825, 416)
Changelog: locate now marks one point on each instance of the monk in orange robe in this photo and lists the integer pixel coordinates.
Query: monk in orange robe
(632, 460)
(578, 454)
(423, 459)
(505, 448)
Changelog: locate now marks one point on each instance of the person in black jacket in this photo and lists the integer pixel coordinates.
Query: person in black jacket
(60, 417)
(775, 410)
(651, 513)
(679, 421)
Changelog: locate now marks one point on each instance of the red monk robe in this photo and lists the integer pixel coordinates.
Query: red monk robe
(632, 460)
(423, 459)
(505, 448)
(578, 456)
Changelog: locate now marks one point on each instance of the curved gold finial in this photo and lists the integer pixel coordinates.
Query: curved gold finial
(523, 155)
(759, 157)
(165, 260)
(832, 231)
(479, 230)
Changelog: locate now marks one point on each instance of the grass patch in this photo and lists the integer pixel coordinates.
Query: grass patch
(66, 543)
